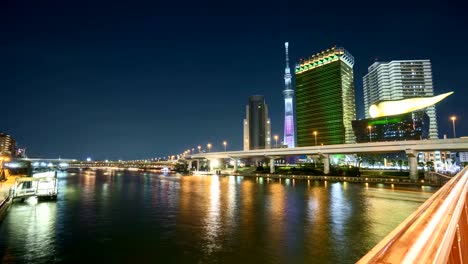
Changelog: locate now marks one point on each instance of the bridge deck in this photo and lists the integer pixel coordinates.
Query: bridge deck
(437, 232)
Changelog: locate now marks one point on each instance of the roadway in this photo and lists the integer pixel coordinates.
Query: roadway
(410, 147)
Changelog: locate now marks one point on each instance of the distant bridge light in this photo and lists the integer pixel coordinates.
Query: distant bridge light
(12, 165)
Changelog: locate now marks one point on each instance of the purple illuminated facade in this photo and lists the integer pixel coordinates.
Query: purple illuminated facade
(289, 130)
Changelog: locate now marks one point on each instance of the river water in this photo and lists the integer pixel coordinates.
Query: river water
(135, 217)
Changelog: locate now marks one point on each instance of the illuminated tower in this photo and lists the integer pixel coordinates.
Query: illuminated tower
(289, 132)
(325, 103)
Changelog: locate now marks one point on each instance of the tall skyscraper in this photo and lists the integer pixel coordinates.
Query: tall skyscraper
(289, 133)
(7, 145)
(325, 103)
(397, 80)
(257, 127)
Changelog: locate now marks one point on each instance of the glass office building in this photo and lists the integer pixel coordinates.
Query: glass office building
(325, 101)
(257, 127)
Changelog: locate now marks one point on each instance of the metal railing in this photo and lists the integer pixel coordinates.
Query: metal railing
(437, 232)
(437, 178)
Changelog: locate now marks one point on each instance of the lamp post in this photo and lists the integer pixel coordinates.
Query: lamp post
(453, 118)
(225, 145)
(370, 133)
(276, 140)
(315, 135)
(209, 146)
(199, 149)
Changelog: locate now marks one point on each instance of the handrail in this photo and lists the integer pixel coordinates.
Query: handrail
(437, 232)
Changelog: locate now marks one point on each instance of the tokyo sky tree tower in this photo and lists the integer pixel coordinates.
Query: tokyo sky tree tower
(289, 131)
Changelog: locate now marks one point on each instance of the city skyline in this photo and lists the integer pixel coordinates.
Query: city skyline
(141, 83)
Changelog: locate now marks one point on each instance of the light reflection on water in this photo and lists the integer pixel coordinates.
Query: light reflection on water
(121, 216)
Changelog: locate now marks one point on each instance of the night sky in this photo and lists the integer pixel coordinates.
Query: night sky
(135, 80)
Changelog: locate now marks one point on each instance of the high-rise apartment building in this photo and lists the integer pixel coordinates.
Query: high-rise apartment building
(397, 80)
(288, 93)
(7, 145)
(325, 103)
(257, 127)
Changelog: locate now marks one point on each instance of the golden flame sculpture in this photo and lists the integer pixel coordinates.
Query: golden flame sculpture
(388, 108)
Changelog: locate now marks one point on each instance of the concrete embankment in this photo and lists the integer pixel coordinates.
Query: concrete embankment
(361, 179)
(5, 200)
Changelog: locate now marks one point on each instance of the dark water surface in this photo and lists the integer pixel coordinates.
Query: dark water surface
(134, 217)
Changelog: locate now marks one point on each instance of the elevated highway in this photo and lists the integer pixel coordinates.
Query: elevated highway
(410, 147)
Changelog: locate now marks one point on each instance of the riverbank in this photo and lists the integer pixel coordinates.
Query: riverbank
(5, 200)
(361, 179)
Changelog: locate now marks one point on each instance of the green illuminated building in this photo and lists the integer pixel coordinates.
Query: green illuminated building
(325, 98)
(408, 126)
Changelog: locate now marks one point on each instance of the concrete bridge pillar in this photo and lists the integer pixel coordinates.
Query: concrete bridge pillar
(235, 164)
(214, 163)
(413, 164)
(190, 164)
(198, 164)
(272, 165)
(326, 163)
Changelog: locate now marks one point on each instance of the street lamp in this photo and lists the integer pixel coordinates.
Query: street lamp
(209, 146)
(225, 145)
(199, 149)
(370, 133)
(315, 135)
(276, 140)
(453, 118)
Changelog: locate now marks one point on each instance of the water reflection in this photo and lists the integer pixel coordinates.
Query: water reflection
(122, 216)
(212, 221)
(34, 231)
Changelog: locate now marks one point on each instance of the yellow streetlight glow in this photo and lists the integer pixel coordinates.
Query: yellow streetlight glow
(453, 118)
(276, 140)
(199, 149)
(225, 144)
(315, 135)
(370, 133)
(209, 146)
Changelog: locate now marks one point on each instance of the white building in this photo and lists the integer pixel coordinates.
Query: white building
(463, 156)
(397, 80)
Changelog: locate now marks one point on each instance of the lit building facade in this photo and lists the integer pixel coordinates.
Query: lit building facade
(257, 126)
(7, 145)
(325, 101)
(289, 138)
(401, 79)
(409, 126)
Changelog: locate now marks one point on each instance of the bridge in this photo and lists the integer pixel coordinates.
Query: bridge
(123, 164)
(73, 163)
(437, 232)
(410, 147)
